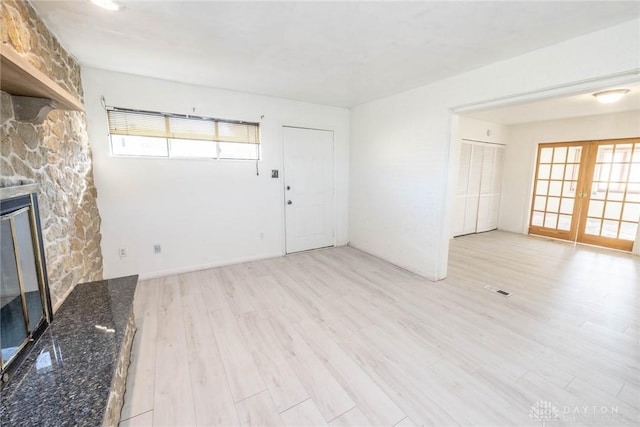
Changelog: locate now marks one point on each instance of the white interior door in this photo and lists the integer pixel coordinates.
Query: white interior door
(490, 187)
(477, 201)
(468, 192)
(308, 189)
(462, 188)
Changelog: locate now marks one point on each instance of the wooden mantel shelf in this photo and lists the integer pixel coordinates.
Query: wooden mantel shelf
(18, 77)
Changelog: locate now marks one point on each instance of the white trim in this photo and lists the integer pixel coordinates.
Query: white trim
(307, 128)
(573, 88)
(429, 276)
(478, 142)
(223, 263)
(533, 148)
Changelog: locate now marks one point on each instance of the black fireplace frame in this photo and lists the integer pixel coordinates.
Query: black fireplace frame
(7, 206)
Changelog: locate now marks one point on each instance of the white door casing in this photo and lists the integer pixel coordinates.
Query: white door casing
(308, 189)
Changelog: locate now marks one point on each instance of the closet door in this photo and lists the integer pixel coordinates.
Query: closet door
(473, 194)
(462, 188)
(490, 187)
(468, 195)
(477, 199)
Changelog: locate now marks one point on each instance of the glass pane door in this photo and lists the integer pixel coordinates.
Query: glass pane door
(556, 186)
(588, 192)
(613, 209)
(26, 255)
(22, 310)
(13, 326)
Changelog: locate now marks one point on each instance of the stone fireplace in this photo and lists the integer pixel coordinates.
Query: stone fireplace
(25, 303)
(54, 153)
(75, 372)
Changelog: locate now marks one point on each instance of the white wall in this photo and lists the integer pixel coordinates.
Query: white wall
(520, 157)
(402, 166)
(481, 130)
(203, 212)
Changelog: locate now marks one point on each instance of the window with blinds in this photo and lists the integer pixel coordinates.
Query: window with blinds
(152, 134)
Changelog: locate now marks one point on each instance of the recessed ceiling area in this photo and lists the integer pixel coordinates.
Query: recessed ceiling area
(333, 53)
(579, 105)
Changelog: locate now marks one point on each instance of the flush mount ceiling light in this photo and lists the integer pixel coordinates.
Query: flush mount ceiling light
(107, 4)
(609, 96)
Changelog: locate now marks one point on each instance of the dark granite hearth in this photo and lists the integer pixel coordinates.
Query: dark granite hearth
(67, 378)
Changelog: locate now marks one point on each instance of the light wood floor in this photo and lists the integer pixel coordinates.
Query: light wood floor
(339, 337)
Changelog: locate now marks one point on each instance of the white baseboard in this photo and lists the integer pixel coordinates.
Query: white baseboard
(221, 263)
(428, 276)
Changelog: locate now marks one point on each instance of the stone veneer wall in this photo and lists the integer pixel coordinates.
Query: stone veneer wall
(55, 154)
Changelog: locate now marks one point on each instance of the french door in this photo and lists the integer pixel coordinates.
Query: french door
(588, 192)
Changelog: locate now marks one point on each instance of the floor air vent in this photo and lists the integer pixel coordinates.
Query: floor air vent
(498, 291)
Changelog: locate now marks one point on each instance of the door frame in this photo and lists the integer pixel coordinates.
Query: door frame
(566, 88)
(577, 232)
(283, 183)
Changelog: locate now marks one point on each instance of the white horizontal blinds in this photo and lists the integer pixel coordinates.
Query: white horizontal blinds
(136, 124)
(139, 123)
(188, 128)
(238, 132)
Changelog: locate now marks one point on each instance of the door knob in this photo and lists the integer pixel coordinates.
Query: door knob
(288, 187)
(289, 202)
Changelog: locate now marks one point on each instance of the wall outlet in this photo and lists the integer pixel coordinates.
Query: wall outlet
(122, 252)
(157, 249)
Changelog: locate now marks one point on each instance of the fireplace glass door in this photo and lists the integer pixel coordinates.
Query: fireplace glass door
(22, 310)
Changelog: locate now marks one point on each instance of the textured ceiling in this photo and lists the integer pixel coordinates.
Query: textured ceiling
(334, 53)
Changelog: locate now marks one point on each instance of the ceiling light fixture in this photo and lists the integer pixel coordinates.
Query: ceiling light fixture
(107, 4)
(610, 96)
